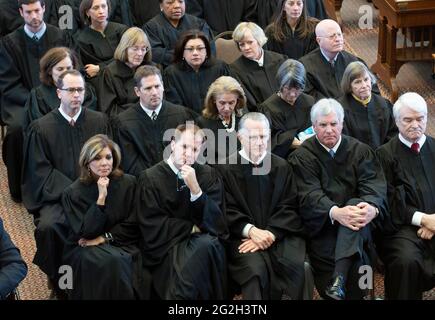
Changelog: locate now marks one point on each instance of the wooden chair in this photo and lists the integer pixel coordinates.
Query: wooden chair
(433, 65)
(226, 47)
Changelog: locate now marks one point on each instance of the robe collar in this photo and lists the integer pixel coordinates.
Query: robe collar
(149, 112)
(67, 117)
(39, 34)
(407, 143)
(365, 101)
(245, 156)
(334, 148)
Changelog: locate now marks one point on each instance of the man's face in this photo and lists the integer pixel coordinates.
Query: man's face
(33, 15)
(254, 138)
(173, 9)
(186, 149)
(330, 38)
(411, 124)
(328, 129)
(72, 93)
(150, 92)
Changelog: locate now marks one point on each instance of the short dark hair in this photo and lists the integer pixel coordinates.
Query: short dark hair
(50, 59)
(146, 71)
(85, 5)
(26, 2)
(181, 128)
(184, 38)
(59, 83)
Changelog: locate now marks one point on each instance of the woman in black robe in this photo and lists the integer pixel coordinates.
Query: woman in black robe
(193, 70)
(101, 247)
(367, 115)
(43, 98)
(255, 68)
(99, 39)
(223, 108)
(289, 109)
(116, 85)
(292, 31)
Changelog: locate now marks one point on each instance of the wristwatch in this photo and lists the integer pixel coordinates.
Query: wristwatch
(108, 237)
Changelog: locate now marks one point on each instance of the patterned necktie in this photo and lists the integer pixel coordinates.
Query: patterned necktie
(35, 37)
(154, 116)
(331, 153)
(415, 147)
(72, 123)
(332, 63)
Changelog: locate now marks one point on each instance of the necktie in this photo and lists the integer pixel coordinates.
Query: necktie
(72, 123)
(331, 153)
(35, 37)
(332, 63)
(415, 147)
(154, 116)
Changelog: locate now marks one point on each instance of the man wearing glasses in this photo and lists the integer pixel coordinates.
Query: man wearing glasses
(325, 65)
(180, 210)
(51, 153)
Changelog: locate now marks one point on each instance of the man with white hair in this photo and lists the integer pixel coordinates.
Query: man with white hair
(408, 161)
(341, 191)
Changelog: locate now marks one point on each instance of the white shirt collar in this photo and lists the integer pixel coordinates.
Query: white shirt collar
(171, 164)
(407, 143)
(149, 112)
(261, 60)
(244, 155)
(39, 34)
(67, 117)
(326, 57)
(335, 148)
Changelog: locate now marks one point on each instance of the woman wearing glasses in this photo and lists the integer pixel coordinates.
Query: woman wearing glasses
(116, 85)
(193, 70)
(43, 99)
(103, 233)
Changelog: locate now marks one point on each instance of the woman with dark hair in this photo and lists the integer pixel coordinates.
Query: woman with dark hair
(116, 85)
(43, 98)
(224, 105)
(99, 39)
(292, 31)
(288, 110)
(193, 70)
(367, 115)
(103, 234)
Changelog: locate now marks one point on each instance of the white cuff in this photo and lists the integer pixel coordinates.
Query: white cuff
(245, 231)
(330, 214)
(194, 197)
(416, 218)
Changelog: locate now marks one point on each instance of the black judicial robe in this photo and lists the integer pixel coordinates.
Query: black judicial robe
(141, 139)
(265, 11)
(219, 148)
(268, 201)
(96, 48)
(107, 271)
(286, 121)
(322, 80)
(293, 45)
(141, 13)
(184, 265)
(186, 87)
(373, 124)
(223, 15)
(163, 35)
(44, 99)
(259, 82)
(353, 176)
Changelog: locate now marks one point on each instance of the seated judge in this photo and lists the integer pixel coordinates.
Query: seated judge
(292, 30)
(342, 193)
(140, 130)
(193, 70)
(116, 85)
(13, 269)
(224, 105)
(43, 98)
(99, 38)
(102, 245)
(408, 161)
(288, 110)
(325, 65)
(51, 153)
(20, 52)
(180, 209)
(266, 249)
(166, 27)
(368, 116)
(255, 68)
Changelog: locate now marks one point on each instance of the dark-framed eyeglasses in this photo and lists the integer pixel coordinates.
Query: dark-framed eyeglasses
(79, 90)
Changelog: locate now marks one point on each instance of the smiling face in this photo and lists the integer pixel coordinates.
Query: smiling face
(102, 164)
(328, 129)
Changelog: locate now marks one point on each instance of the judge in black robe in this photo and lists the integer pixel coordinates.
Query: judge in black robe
(163, 34)
(187, 79)
(180, 209)
(408, 249)
(327, 186)
(19, 73)
(51, 151)
(261, 195)
(223, 15)
(102, 246)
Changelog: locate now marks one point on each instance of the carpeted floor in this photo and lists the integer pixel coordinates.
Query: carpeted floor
(412, 77)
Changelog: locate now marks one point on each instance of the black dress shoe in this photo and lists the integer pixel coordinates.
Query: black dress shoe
(336, 289)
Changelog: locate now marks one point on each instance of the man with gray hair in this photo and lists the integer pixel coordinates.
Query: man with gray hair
(408, 161)
(341, 191)
(266, 250)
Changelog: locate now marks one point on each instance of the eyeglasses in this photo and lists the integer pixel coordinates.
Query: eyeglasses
(143, 49)
(333, 36)
(72, 90)
(191, 49)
